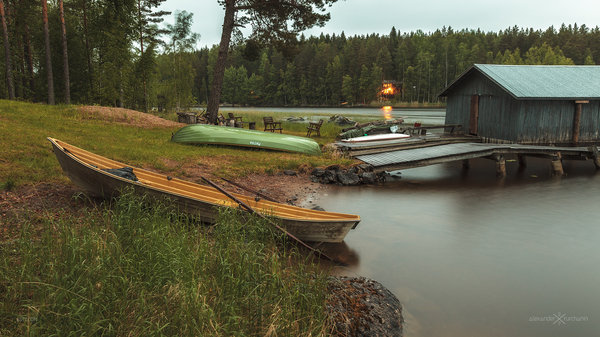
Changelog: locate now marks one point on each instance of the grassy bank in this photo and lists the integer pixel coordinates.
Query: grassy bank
(26, 156)
(131, 269)
(136, 269)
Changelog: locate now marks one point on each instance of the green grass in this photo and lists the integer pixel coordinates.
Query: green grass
(27, 157)
(141, 269)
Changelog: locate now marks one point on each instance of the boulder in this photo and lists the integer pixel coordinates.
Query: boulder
(366, 167)
(369, 177)
(363, 307)
(318, 172)
(330, 175)
(348, 178)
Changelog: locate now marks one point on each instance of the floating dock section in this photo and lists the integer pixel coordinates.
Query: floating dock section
(421, 151)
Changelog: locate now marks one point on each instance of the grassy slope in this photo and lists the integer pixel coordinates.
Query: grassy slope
(26, 156)
(131, 270)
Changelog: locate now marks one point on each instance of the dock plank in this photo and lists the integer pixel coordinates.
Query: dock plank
(418, 157)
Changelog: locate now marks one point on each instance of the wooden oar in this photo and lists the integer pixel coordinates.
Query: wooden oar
(253, 211)
(251, 191)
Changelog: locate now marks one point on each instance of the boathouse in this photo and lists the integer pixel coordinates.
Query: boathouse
(527, 104)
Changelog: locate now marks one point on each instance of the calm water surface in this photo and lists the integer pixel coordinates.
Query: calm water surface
(428, 116)
(470, 254)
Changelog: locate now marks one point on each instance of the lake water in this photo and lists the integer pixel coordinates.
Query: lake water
(426, 116)
(470, 254)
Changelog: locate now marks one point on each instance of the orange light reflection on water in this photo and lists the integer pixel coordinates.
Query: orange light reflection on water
(387, 112)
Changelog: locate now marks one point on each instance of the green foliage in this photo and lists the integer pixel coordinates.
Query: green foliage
(330, 70)
(117, 59)
(140, 268)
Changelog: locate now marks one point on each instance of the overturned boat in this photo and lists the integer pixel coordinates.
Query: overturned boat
(93, 173)
(223, 135)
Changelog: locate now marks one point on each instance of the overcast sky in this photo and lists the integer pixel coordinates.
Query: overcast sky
(363, 17)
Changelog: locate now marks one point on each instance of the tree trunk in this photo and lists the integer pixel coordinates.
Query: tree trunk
(87, 49)
(217, 85)
(65, 55)
(142, 57)
(48, 57)
(121, 92)
(9, 77)
(29, 62)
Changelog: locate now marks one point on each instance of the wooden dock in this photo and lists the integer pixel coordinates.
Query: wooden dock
(358, 149)
(421, 152)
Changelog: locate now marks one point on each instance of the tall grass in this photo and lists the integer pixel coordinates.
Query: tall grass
(142, 269)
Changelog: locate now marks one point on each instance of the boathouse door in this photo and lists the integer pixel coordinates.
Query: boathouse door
(474, 115)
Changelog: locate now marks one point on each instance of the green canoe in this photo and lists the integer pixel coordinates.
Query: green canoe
(224, 135)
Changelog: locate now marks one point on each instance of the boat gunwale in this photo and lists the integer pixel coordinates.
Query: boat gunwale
(332, 217)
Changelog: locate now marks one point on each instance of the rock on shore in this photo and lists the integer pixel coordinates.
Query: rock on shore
(363, 307)
(355, 175)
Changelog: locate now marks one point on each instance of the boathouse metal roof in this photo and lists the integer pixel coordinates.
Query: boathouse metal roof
(539, 82)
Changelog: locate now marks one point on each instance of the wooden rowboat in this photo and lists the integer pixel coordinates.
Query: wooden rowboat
(85, 170)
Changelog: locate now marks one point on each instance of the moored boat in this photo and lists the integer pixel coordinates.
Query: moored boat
(87, 171)
(223, 135)
(372, 138)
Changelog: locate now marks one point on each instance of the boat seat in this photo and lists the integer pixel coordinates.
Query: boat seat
(271, 125)
(314, 127)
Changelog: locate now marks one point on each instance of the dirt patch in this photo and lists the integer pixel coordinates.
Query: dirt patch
(129, 117)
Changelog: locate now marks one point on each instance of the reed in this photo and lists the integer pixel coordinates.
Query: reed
(135, 268)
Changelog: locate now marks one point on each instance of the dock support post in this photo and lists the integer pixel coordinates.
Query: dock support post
(466, 164)
(522, 161)
(595, 156)
(557, 167)
(500, 165)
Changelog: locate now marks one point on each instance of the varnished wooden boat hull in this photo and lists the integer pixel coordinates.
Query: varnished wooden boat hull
(83, 168)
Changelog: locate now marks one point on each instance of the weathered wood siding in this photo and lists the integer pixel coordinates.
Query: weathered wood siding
(503, 117)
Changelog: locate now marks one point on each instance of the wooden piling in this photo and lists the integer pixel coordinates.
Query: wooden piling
(557, 167)
(466, 164)
(595, 156)
(522, 161)
(500, 166)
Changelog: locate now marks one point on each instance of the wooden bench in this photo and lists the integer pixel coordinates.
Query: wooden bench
(271, 125)
(314, 127)
(237, 119)
(221, 120)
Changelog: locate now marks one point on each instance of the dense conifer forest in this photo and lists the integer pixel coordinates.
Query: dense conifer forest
(119, 53)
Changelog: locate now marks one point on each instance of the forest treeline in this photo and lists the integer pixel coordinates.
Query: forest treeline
(119, 54)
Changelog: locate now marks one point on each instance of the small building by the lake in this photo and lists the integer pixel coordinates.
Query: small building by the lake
(527, 104)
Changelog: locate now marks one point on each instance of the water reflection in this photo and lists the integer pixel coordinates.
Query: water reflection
(411, 116)
(470, 254)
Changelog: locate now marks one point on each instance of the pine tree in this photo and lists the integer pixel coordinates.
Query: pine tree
(65, 54)
(49, 77)
(9, 77)
(274, 22)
